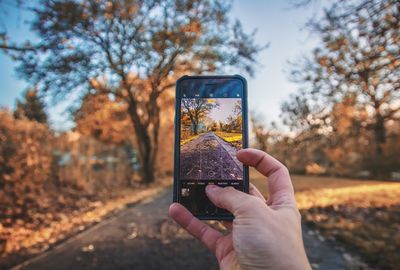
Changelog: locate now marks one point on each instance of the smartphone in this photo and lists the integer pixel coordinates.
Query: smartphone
(210, 127)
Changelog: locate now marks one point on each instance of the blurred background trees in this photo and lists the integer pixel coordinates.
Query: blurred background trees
(132, 52)
(348, 102)
(117, 62)
(32, 107)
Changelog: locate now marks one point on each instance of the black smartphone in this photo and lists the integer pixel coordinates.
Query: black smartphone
(210, 127)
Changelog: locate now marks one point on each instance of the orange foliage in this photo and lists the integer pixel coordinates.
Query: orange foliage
(108, 119)
(165, 161)
(51, 185)
(25, 165)
(104, 119)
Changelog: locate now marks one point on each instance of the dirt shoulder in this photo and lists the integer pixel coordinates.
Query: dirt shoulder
(144, 237)
(29, 239)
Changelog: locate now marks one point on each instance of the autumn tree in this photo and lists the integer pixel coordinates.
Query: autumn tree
(103, 118)
(31, 107)
(358, 60)
(107, 120)
(25, 164)
(197, 109)
(238, 115)
(235, 119)
(133, 50)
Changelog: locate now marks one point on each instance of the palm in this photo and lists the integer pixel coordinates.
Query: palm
(225, 253)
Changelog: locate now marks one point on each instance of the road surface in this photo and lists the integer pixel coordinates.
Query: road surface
(207, 158)
(143, 237)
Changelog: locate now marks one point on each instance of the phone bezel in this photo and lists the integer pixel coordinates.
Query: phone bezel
(176, 193)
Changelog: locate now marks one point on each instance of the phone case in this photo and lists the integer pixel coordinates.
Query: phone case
(176, 194)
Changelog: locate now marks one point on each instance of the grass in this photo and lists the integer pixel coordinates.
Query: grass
(190, 138)
(363, 215)
(233, 138)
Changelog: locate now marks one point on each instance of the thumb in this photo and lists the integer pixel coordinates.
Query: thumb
(230, 199)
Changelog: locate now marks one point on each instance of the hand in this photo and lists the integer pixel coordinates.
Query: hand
(264, 234)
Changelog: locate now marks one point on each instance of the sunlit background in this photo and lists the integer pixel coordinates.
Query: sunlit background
(86, 124)
(270, 85)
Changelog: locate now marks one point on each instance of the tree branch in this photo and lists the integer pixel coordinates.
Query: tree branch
(15, 48)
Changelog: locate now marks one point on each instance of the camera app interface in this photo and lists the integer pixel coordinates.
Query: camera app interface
(210, 136)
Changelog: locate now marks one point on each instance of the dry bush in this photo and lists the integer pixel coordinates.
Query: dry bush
(25, 165)
(165, 157)
(91, 166)
(47, 181)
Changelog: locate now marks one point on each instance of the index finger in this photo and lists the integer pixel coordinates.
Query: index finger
(279, 183)
(207, 235)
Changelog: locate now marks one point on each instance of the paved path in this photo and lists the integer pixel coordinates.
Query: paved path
(143, 237)
(207, 158)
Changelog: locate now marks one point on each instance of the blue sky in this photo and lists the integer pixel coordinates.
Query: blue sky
(281, 25)
(277, 24)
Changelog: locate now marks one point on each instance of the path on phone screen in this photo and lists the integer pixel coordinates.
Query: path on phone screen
(143, 237)
(209, 157)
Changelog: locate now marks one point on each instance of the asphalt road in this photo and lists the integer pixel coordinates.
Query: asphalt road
(144, 237)
(208, 157)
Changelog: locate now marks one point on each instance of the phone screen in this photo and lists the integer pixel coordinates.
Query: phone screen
(211, 132)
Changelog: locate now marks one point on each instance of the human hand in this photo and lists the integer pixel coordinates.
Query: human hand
(264, 234)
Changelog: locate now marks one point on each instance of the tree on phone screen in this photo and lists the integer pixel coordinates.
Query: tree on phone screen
(197, 109)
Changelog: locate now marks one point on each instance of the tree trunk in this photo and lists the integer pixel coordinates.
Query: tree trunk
(194, 124)
(379, 138)
(154, 111)
(144, 145)
(195, 128)
(147, 171)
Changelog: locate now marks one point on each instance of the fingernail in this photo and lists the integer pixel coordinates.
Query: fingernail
(211, 188)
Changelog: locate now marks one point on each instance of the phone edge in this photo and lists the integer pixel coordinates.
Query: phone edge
(177, 135)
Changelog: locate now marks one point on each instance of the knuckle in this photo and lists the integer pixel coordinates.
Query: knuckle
(284, 170)
(229, 189)
(296, 212)
(246, 205)
(202, 232)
